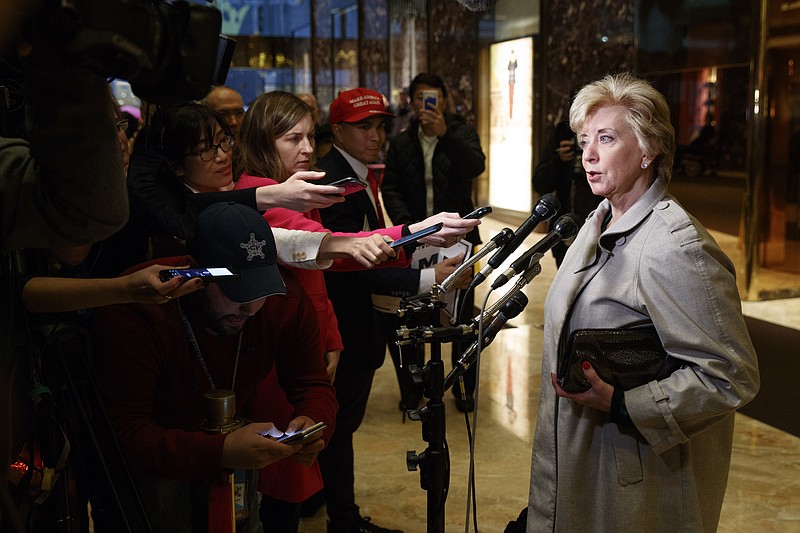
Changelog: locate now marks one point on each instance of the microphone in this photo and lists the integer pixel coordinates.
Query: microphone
(565, 228)
(510, 309)
(498, 240)
(544, 209)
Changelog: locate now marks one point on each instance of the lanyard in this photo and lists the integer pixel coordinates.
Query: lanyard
(199, 355)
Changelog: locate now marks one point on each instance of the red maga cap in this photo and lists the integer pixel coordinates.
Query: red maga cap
(356, 105)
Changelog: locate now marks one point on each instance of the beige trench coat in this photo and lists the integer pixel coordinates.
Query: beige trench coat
(655, 264)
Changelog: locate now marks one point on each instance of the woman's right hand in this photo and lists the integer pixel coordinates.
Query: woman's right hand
(298, 194)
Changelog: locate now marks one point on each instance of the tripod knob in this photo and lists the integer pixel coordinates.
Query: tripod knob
(417, 414)
(413, 460)
(417, 374)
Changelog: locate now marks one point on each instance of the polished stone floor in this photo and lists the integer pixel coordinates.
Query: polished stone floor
(763, 491)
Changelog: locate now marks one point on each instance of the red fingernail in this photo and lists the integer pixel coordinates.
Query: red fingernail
(586, 365)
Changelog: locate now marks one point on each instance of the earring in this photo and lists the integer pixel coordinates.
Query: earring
(644, 166)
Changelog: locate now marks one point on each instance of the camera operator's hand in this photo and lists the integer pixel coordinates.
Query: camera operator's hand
(298, 194)
(566, 150)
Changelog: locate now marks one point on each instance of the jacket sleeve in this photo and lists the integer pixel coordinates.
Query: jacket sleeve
(300, 370)
(463, 147)
(700, 322)
(392, 187)
(66, 184)
(548, 172)
(163, 204)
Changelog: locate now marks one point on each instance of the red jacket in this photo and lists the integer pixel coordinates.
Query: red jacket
(152, 383)
(288, 480)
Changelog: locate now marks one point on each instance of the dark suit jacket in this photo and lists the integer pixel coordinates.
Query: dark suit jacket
(457, 160)
(350, 292)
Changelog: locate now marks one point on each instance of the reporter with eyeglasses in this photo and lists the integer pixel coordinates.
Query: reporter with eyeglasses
(185, 164)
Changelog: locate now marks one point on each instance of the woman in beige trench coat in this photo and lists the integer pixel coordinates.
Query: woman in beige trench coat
(653, 458)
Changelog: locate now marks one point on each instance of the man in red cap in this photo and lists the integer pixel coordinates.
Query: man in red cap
(358, 120)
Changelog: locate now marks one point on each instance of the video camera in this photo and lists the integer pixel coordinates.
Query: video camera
(168, 51)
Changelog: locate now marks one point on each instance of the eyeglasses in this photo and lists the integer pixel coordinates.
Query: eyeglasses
(210, 152)
(122, 125)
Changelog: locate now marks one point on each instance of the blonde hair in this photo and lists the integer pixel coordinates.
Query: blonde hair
(647, 113)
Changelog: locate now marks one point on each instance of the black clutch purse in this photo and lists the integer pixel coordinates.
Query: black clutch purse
(625, 358)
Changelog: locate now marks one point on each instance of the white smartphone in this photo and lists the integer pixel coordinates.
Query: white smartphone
(303, 435)
(208, 274)
(430, 99)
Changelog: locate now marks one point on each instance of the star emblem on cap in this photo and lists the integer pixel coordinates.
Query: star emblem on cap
(254, 247)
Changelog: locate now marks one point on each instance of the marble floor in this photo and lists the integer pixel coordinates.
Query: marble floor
(763, 491)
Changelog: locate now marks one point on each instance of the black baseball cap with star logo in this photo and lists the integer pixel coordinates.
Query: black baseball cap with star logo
(237, 237)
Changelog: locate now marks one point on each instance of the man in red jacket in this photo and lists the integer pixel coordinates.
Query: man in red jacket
(154, 363)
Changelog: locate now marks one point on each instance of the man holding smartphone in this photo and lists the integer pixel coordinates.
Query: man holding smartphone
(358, 122)
(153, 365)
(430, 167)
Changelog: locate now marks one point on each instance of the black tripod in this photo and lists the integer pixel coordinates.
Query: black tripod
(434, 462)
(69, 413)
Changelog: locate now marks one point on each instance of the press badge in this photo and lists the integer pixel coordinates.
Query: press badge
(240, 509)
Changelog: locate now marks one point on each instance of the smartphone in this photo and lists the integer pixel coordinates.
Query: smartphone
(479, 213)
(430, 99)
(350, 185)
(208, 274)
(302, 435)
(414, 237)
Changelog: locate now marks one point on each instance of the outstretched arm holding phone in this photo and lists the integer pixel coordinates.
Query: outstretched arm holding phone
(44, 294)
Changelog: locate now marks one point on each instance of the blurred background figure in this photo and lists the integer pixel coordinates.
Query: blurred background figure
(228, 103)
(560, 171)
(311, 102)
(430, 168)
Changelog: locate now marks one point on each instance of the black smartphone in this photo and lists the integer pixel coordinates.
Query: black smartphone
(479, 213)
(350, 185)
(302, 435)
(417, 235)
(208, 274)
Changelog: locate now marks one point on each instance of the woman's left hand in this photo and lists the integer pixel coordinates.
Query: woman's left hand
(597, 397)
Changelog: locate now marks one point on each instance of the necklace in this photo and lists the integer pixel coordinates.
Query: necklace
(199, 355)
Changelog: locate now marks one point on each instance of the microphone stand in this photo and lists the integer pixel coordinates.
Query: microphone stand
(533, 269)
(434, 462)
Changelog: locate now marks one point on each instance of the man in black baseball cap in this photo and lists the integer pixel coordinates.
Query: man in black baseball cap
(154, 364)
(237, 237)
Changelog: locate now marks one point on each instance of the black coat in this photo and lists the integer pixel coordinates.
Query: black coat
(350, 292)
(457, 160)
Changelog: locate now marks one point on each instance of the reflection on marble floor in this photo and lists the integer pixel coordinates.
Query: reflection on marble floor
(763, 491)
